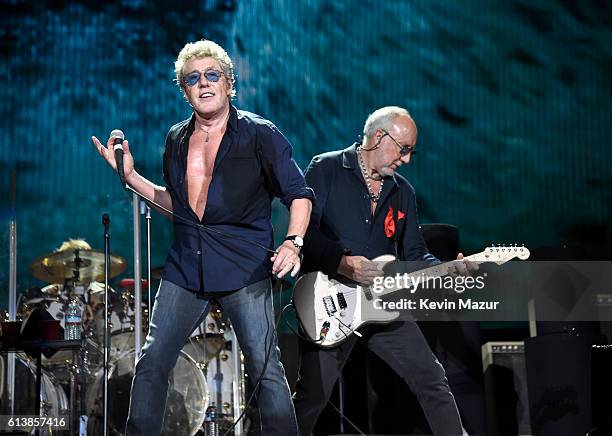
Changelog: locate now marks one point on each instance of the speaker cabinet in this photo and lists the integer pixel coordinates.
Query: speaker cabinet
(506, 388)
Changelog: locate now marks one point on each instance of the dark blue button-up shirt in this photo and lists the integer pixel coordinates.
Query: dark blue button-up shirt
(342, 222)
(254, 164)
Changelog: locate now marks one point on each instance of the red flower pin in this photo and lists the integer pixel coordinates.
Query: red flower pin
(390, 224)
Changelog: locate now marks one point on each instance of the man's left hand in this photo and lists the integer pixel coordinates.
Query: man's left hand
(286, 258)
(462, 267)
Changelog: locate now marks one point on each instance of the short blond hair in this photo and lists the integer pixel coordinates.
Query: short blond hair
(74, 244)
(205, 49)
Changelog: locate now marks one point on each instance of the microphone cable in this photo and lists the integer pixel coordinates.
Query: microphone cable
(274, 322)
(198, 225)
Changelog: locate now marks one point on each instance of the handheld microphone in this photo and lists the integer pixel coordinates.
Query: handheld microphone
(118, 148)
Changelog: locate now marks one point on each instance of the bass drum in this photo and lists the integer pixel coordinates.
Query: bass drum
(121, 329)
(185, 407)
(53, 399)
(220, 378)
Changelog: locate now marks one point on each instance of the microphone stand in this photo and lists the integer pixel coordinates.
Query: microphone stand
(146, 211)
(10, 380)
(148, 218)
(106, 222)
(137, 280)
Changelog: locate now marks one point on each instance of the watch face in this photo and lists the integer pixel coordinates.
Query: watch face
(298, 241)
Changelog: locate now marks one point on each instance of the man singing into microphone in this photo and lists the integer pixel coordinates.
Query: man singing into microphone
(221, 167)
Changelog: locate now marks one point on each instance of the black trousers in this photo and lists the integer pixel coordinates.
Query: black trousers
(402, 346)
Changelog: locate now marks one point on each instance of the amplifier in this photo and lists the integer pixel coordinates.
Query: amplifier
(507, 403)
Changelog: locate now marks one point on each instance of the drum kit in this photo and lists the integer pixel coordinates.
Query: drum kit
(208, 374)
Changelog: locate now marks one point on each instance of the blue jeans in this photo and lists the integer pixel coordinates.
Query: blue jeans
(176, 313)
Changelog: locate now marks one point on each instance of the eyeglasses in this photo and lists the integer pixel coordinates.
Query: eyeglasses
(194, 77)
(404, 149)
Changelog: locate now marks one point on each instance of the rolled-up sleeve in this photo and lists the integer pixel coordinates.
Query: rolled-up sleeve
(285, 177)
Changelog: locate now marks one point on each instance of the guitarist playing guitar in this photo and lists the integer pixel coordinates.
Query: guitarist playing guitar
(364, 209)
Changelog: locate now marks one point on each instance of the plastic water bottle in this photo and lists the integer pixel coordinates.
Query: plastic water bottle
(72, 321)
(211, 427)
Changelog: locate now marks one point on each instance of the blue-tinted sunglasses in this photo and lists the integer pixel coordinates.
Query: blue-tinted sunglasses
(194, 77)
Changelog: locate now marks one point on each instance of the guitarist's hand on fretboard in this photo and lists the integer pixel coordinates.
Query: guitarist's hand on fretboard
(360, 269)
(462, 267)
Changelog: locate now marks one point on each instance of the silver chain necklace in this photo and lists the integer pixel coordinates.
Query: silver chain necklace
(373, 196)
(210, 128)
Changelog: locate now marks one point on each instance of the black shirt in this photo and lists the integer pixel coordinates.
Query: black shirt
(254, 164)
(342, 221)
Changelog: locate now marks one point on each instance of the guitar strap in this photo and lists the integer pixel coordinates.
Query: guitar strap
(399, 228)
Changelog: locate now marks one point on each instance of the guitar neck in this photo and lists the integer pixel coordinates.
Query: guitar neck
(439, 270)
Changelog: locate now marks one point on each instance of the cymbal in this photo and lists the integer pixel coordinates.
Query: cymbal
(59, 266)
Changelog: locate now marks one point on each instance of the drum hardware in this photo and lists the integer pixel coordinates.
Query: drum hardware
(52, 398)
(121, 324)
(107, 274)
(208, 339)
(127, 284)
(12, 289)
(53, 290)
(215, 350)
(209, 349)
(188, 396)
(210, 354)
(39, 392)
(75, 265)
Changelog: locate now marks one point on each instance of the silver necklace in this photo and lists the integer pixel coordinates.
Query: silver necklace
(207, 131)
(373, 196)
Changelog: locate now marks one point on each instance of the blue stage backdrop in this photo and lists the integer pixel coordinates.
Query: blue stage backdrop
(512, 100)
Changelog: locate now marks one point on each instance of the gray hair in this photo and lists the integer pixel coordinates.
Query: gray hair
(205, 49)
(383, 118)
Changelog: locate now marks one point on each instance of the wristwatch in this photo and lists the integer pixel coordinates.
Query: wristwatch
(296, 240)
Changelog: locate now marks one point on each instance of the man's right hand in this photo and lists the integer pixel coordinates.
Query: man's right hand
(360, 269)
(109, 155)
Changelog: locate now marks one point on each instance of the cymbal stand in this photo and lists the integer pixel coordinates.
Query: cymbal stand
(70, 293)
(106, 223)
(10, 380)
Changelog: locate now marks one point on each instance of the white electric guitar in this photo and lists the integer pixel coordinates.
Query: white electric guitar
(330, 311)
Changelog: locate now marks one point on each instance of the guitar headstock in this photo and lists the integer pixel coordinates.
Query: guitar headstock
(502, 254)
